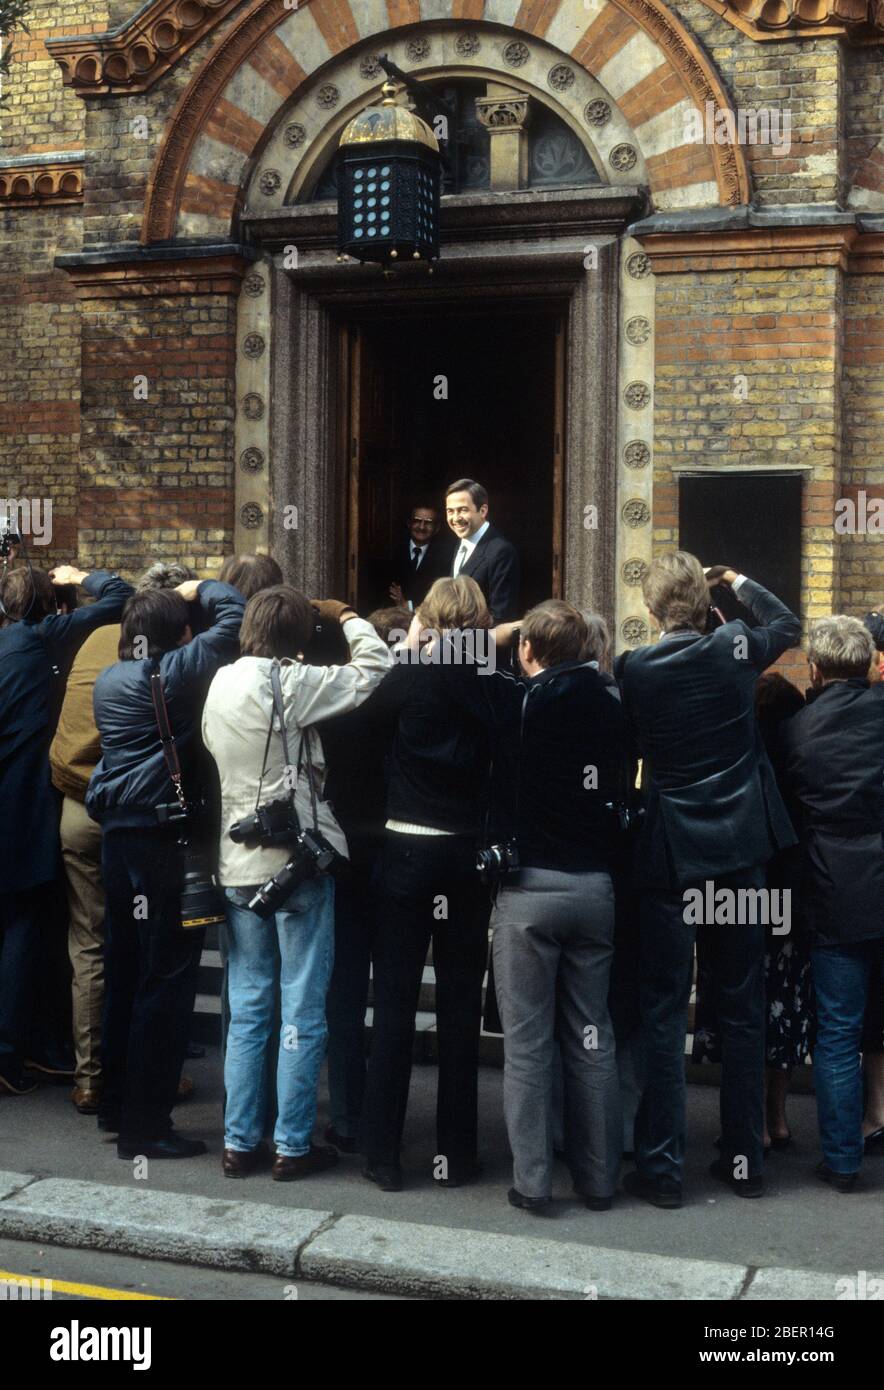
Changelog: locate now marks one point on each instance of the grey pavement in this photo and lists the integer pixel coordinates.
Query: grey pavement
(800, 1225)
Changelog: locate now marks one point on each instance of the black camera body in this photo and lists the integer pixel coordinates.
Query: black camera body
(274, 823)
(313, 855)
(7, 540)
(498, 862)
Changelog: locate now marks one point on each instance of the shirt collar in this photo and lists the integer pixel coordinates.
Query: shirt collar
(472, 541)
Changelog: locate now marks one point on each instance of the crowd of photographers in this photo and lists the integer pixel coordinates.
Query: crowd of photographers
(340, 795)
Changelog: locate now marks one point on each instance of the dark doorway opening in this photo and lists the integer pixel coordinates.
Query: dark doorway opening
(463, 393)
(750, 521)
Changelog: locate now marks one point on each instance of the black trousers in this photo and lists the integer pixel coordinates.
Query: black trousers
(427, 889)
(736, 957)
(150, 980)
(355, 919)
(19, 962)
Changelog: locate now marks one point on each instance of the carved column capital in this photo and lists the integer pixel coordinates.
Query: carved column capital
(504, 113)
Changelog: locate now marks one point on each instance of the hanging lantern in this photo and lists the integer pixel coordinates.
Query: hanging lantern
(389, 177)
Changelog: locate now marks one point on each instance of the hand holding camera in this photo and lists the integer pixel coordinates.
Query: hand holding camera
(189, 589)
(719, 574)
(68, 574)
(330, 610)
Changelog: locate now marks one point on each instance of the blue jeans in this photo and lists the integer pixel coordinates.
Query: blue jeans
(840, 981)
(294, 950)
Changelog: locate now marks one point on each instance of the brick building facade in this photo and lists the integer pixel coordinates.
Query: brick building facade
(175, 380)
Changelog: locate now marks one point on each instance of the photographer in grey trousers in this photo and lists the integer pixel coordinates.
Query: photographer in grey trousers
(560, 765)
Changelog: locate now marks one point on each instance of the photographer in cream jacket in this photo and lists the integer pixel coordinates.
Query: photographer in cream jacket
(293, 949)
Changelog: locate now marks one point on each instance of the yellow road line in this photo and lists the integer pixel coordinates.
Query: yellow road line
(80, 1290)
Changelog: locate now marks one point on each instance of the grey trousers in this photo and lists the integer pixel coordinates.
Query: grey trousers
(553, 946)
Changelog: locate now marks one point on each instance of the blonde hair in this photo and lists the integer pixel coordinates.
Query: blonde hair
(676, 592)
(454, 603)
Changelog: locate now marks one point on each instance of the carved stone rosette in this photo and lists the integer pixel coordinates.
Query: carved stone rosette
(636, 512)
(638, 330)
(637, 395)
(251, 516)
(638, 265)
(637, 454)
(516, 53)
(633, 571)
(634, 631)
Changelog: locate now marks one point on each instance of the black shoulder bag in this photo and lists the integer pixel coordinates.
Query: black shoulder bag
(202, 902)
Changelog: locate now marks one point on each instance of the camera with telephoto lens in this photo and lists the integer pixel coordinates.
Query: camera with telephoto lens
(274, 823)
(313, 855)
(202, 904)
(498, 861)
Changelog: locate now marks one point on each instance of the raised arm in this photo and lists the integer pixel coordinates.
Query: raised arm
(320, 692)
(63, 633)
(200, 659)
(779, 627)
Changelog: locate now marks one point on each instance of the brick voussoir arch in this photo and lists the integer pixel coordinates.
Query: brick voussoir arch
(197, 102)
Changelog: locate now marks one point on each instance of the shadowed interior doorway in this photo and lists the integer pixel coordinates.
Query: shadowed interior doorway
(469, 392)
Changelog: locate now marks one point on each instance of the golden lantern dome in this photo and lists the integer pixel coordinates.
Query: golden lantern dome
(389, 121)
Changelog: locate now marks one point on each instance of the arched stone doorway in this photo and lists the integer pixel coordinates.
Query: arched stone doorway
(249, 137)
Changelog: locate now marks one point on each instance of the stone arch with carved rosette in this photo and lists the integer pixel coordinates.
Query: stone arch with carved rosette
(637, 49)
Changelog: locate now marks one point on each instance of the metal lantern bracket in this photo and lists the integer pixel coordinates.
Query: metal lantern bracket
(428, 105)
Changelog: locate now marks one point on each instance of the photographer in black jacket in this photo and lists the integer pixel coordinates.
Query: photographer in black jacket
(714, 818)
(151, 962)
(37, 646)
(560, 768)
(427, 889)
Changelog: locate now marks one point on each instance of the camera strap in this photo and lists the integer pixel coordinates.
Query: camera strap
(167, 738)
(277, 717)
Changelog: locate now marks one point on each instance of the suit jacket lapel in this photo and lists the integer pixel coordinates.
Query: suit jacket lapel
(475, 556)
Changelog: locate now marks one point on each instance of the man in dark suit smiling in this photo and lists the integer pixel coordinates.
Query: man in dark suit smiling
(483, 553)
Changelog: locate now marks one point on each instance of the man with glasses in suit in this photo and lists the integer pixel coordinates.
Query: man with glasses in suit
(422, 558)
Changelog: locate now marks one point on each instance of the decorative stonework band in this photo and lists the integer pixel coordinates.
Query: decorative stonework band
(765, 248)
(857, 20)
(41, 183)
(134, 56)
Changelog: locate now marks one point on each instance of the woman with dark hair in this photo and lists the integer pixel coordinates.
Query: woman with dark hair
(428, 890)
(250, 573)
(151, 962)
(289, 952)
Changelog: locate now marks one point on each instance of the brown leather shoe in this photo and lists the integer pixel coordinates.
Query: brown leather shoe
(86, 1101)
(316, 1161)
(237, 1163)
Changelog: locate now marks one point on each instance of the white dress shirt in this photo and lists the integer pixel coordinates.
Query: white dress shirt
(467, 547)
